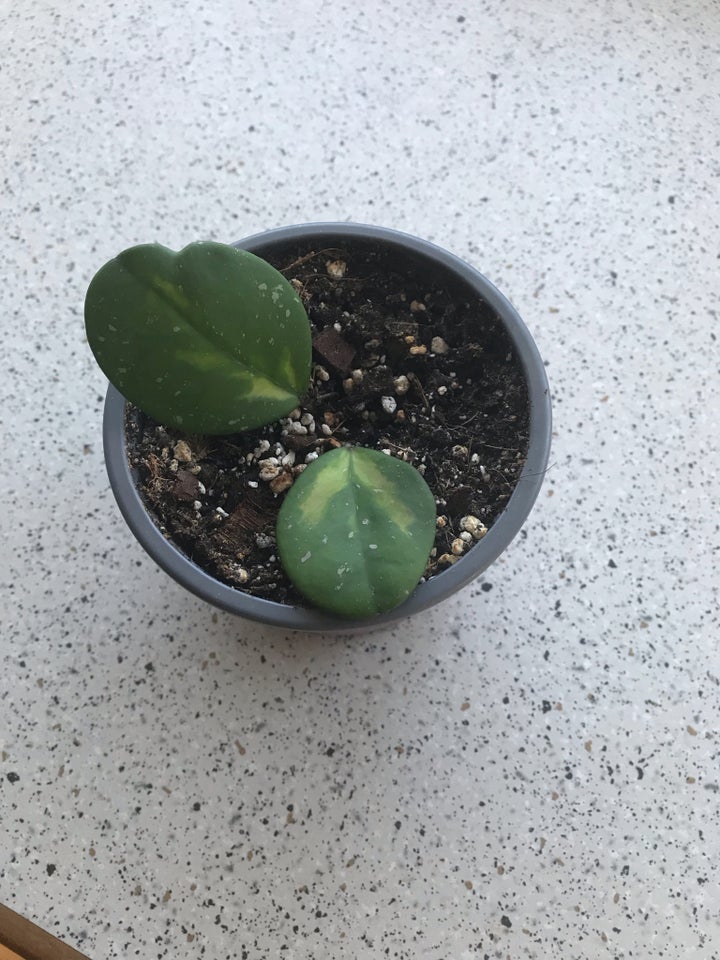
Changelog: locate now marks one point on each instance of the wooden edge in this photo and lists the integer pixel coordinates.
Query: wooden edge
(29, 942)
(6, 954)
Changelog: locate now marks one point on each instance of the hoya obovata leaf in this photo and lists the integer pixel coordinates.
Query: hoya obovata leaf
(209, 340)
(355, 531)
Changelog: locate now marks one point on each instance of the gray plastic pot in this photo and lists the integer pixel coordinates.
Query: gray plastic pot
(470, 566)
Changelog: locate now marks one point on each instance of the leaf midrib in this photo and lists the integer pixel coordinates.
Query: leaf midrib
(217, 343)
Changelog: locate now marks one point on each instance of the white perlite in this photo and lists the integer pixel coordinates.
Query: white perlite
(269, 469)
(182, 452)
(295, 427)
(401, 384)
(336, 268)
(389, 404)
(473, 526)
(281, 483)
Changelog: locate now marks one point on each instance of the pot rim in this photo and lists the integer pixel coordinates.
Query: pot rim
(426, 594)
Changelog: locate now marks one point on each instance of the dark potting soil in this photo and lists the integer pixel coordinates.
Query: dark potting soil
(407, 360)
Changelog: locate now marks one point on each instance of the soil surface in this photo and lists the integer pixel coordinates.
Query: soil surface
(406, 360)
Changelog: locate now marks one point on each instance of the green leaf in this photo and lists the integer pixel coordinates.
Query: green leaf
(355, 531)
(209, 340)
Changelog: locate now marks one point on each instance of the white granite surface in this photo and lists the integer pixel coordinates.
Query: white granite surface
(532, 770)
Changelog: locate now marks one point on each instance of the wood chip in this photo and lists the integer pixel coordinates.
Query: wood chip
(334, 349)
(237, 533)
(186, 486)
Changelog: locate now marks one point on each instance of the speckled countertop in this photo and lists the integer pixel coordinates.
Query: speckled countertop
(532, 769)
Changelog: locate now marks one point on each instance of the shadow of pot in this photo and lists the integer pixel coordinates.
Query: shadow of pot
(439, 587)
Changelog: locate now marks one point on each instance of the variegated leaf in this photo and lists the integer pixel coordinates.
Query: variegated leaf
(355, 531)
(209, 340)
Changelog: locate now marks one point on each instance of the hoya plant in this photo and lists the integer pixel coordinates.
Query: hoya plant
(213, 340)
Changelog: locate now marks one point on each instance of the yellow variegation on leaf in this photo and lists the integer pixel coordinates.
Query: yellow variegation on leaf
(209, 340)
(355, 531)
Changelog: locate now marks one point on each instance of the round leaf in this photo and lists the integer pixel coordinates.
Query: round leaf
(209, 340)
(355, 531)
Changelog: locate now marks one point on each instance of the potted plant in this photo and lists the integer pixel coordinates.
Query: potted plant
(368, 488)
